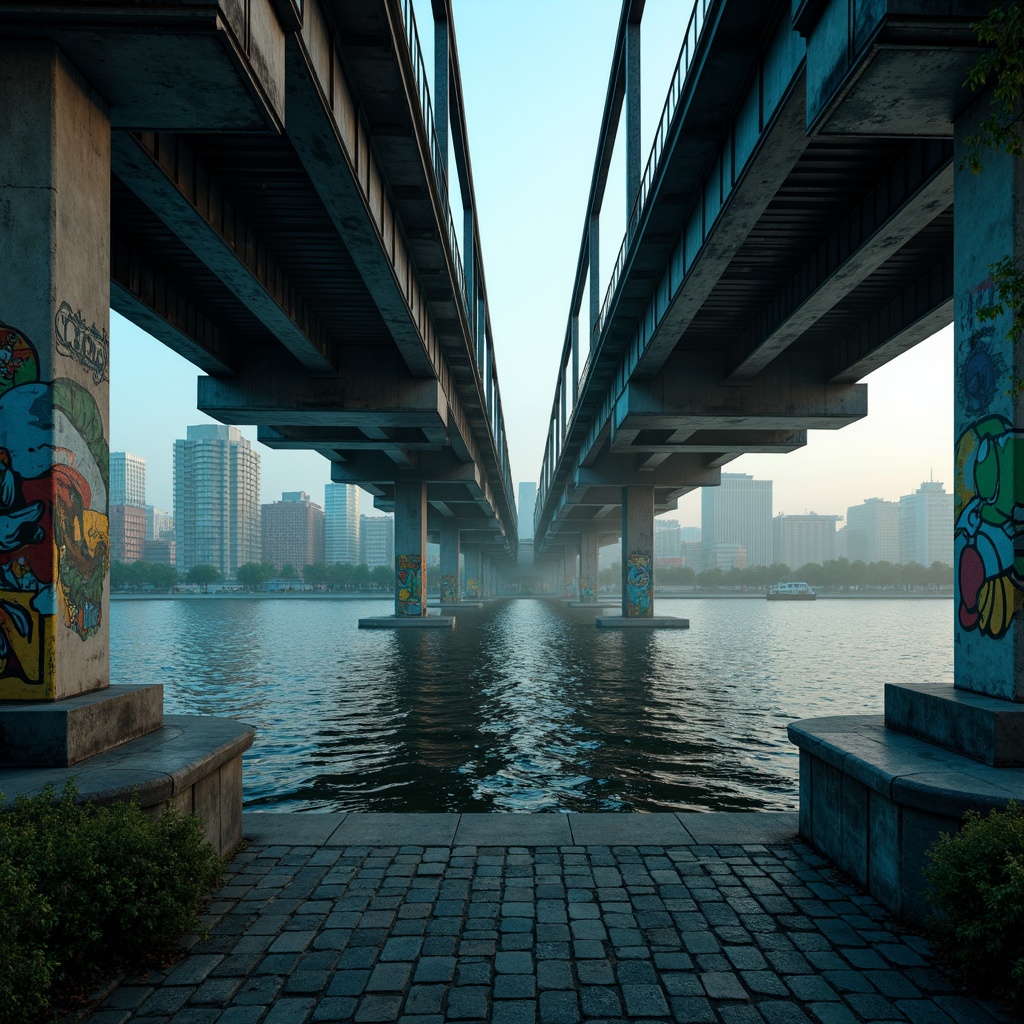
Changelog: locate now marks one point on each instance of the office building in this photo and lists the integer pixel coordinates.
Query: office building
(872, 531)
(377, 540)
(527, 508)
(667, 542)
(158, 523)
(738, 512)
(216, 499)
(159, 552)
(127, 479)
(127, 533)
(341, 524)
(926, 525)
(293, 531)
(798, 540)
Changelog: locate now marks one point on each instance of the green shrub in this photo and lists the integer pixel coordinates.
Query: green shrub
(977, 879)
(85, 889)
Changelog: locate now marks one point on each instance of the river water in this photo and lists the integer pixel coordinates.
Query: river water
(525, 706)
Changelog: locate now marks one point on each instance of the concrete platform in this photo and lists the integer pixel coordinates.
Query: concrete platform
(873, 800)
(640, 622)
(452, 607)
(645, 917)
(593, 606)
(408, 622)
(194, 762)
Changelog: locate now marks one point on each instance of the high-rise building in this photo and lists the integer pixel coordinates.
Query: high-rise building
(127, 532)
(527, 508)
(160, 552)
(158, 522)
(341, 524)
(127, 479)
(738, 512)
(216, 499)
(293, 531)
(797, 540)
(872, 531)
(377, 540)
(667, 541)
(926, 525)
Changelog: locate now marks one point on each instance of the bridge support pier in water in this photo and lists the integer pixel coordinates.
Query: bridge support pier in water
(638, 566)
(876, 792)
(59, 715)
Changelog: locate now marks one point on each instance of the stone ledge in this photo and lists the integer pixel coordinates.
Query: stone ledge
(194, 761)
(63, 733)
(973, 724)
(641, 622)
(408, 622)
(906, 769)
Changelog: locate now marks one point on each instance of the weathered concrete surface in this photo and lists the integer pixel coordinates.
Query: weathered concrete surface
(408, 622)
(62, 733)
(645, 622)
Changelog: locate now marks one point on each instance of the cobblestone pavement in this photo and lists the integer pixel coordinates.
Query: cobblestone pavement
(740, 932)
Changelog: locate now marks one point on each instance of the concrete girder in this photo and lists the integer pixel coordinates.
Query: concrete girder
(370, 393)
(923, 308)
(743, 442)
(233, 79)
(146, 298)
(915, 190)
(690, 393)
(164, 173)
(620, 471)
(376, 439)
(431, 467)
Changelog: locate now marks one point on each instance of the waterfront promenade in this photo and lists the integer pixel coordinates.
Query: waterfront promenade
(547, 918)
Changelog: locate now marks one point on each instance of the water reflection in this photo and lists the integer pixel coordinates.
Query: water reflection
(525, 706)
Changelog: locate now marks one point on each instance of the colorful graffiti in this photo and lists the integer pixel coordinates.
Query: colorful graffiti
(989, 531)
(587, 595)
(449, 589)
(638, 584)
(569, 587)
(473, 587)
(53, 517)
(409, 585)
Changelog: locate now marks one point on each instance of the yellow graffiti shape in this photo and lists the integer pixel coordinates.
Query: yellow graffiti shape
(997, 601)
(31, 648)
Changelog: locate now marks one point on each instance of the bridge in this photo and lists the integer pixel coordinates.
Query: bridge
(265, 187)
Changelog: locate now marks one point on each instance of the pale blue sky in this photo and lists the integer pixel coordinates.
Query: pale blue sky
(534, 76)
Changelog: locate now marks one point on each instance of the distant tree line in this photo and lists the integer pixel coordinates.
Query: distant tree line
(837, 574)
(252, 576)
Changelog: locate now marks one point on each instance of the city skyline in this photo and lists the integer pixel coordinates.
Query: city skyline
(907, 437)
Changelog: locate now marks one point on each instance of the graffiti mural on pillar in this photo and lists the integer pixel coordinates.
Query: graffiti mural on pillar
(638, 584)
(587, 595)
(449, 591)
(409, 576)
(53, 516)
(570, 587)
(989, 532)
(472, 587)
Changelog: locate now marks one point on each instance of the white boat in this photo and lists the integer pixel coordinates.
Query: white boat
(792, 592)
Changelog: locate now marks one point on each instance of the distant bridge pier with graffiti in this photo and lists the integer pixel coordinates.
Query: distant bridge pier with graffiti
(57, 707)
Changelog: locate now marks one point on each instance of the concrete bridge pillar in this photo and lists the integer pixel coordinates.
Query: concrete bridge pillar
(54, 380)
(474, 568)
(589, 551)
(451, 586)
(57, 707)
(410, 548)
(569, 573)
(950, 745)
(989, 427)
(637, 552)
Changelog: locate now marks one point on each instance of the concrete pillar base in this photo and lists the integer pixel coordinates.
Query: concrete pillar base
(63, 733)
(194, 762)
(873, 800)
(450, 608)
(640, 622)
(408, 622)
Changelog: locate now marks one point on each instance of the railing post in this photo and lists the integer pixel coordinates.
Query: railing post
(594, 235)
(441, 114)
(632, 116)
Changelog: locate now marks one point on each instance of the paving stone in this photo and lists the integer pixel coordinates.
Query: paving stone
(515, 1011)
(468, 1002)
(559, 1008)
(374, 1009)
